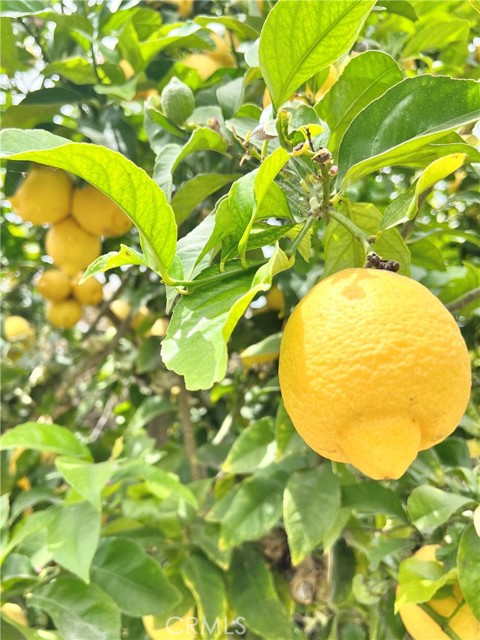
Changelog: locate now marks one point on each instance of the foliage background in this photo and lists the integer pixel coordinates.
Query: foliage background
(153, 498)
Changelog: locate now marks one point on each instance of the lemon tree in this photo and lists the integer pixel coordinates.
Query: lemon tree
(240, 330)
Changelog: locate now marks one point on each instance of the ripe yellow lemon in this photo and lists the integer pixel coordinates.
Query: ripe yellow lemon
(17, 328)
(177, 627)
(44, 196)
(90, 292)
(373, 369)
(121, 308)
(98, 214)
(71, 247)
(159, 328)
(54, 285)
(64, 315)
(184, 7)
(15, 613)
(203, 63)
(275, 300)
(457, 615)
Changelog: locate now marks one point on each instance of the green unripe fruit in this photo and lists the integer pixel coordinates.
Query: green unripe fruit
(177, 101)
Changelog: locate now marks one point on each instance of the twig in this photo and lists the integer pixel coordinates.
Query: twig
(457, 304)
(103, 310)
(306, 228)
(103, 419)
(188, 432)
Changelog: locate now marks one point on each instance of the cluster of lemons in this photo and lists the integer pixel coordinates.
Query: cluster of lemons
(79, 217)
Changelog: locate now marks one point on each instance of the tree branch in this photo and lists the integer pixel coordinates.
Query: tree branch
(457, 304)
(188, 432)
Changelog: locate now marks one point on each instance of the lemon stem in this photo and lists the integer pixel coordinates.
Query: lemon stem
(303, 232)
(356, 232)
(447, 630)
(193, 284)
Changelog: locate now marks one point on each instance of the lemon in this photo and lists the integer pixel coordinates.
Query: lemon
(17, 328)
(90, 292)
(98, 214)
(121, 308)
(373, 369)
(177, 101)
(177, 627)
(54, 285)
(64, 315)
(44, 197)
(71, 247)
(457, 615)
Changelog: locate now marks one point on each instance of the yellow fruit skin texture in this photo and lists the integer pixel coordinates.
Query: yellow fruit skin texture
(421, 626)
(120, 308)
(17, 328)
(182, 628)
(15, 613)
(207, 63)
(64, 315)
(204, 64)
(71, 247)
(373, 369)
(98, 214)
(275, 299)
(90, 292)
(54, 285)
(44, 197)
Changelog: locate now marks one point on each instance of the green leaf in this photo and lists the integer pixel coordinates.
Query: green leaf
(342, 571)
(264, 177)
(132, 578)
(205, 581)
(365, 78)
(190, 248)
(153, 119)
(401, 8)
(125, 183)
(150, 408)
(342, 250)
(266, 350)
(419, 580)
(429, 507)
(386, 547)
(9, 62)
(194, 191)
(371, 497)
(299, 39)
(114, 259)
(408, 116)
(20, 8)
(171, 155)
(310, 503)
(77, 70)
(207, 537)
(246, 31)
(44, 437)
(407, 206)
(254, 448)
(73, 534)
(468, 561)
(255, 509)
(78, 610)
(34, 524)
(203, 320)
(253, 594)
(86, 478)
(436, 35)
